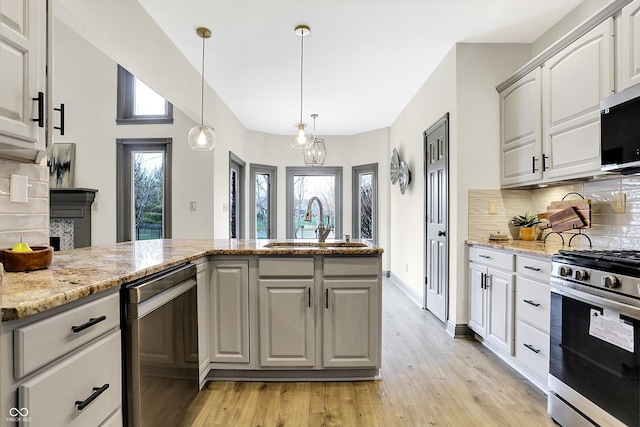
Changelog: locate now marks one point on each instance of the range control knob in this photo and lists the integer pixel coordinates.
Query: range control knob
(564, 271)
(610, 282)
(581, 275)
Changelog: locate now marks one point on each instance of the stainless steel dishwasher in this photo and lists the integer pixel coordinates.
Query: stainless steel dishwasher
(160, 348)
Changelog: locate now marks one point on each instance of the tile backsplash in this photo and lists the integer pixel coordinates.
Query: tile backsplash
(608, 229)
(27, 220)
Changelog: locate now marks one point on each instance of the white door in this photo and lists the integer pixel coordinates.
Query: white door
(436, 140)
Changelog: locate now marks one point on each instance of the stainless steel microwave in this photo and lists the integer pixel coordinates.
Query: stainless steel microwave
(620, 131)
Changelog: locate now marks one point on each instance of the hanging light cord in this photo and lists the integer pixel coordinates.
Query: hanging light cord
(301, 69)
(202, 87)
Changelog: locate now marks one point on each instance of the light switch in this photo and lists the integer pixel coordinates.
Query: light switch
(493, 207)
(192, 206)
(19, 189)
(619, 203)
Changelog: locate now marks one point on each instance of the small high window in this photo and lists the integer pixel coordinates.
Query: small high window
(139, 104)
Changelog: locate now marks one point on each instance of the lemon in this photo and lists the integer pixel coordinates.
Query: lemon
(21, 247)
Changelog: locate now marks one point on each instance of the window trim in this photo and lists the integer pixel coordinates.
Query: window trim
(124, 147)
(126, 102)
(355, 199)
(336, 171)
(272, 171)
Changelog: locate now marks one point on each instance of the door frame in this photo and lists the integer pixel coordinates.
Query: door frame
(444, 120)
(237, 163)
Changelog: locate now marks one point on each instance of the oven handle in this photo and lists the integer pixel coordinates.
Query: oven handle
(599, 301)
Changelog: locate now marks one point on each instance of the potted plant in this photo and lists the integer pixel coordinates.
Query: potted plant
(527, 224)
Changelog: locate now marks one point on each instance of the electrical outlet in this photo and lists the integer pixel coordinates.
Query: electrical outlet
(619, 203)
(19, 189)
(492, 207)
(192, 206)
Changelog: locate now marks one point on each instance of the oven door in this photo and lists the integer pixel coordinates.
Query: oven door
(594, 362)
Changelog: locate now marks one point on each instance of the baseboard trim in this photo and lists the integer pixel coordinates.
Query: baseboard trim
(404, 287)
(459, 331)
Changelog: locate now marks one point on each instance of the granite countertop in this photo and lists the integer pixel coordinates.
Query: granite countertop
(82, 272)
(525, 247)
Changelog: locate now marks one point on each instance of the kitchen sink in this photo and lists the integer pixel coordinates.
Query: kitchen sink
(338, 244)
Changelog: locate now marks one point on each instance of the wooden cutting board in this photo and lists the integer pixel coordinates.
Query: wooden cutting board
(582, 207)
(566, 219)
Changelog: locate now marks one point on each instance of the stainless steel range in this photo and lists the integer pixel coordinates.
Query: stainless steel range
(594, 363)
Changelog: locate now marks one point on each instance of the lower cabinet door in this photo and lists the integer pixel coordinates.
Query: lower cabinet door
(287, 337)
(350, 323)
(83, 390)
(500, 322)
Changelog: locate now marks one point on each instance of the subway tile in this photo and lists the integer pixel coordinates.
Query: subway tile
(604, 185)
(37, 237)
(484, 193)
(23, 221)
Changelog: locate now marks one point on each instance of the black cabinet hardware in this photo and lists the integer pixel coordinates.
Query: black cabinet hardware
(97, 391)
(326, 298)
(309, 297)
(91, 322)
(532, 348)
(484, 256)
(529, 267)
(533, 164)
(483, 280)
(544, 162)
(61, 127)
(528, 301)
(40, 101)
(442, 233)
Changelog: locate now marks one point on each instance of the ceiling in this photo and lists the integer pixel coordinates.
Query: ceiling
(363, 61)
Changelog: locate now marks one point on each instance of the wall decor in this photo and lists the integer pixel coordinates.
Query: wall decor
(394, 168)
(61, 163)
(404, 178)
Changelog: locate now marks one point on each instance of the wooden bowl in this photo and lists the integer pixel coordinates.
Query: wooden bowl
(26, 261)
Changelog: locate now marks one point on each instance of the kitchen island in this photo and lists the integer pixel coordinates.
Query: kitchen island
(266, 310)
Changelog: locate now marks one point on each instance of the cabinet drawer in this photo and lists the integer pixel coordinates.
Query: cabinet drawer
(539, 269)
(350, 266)
(532, 349)
(52, 396)
(285, 267)
(532, 303)
(491, 258)
(44, 341)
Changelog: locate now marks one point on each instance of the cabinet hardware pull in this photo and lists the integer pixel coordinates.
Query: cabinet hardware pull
(40, 101)
(92, 321)
(309, 297)
(533, 164)
(61, 127)
(326, 298)
(528, 301)
(484, 256)
(483, 281)
(529, 267)
(97, 391)
(544, 162)
(532, 348)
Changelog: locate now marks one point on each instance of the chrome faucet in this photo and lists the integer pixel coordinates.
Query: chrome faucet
(322, 231)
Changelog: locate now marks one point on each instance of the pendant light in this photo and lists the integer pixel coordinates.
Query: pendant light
(316, 152)
(201, 137)
(301, 134)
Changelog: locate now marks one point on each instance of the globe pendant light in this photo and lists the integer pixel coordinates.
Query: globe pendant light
(316, 152)
(301, 134)
(201, 137)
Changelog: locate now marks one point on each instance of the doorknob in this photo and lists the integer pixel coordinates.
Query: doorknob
(442, 233)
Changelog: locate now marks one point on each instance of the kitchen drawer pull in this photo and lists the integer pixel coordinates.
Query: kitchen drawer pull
(326, 298)
(484, 256)
(97, 391)
(532, 348)
(529, 267)
(528, 301)
(40, 100)
(61, 127)
(92, 321)
(309, 297)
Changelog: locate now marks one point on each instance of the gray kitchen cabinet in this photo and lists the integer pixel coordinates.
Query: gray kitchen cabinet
(573, 82)
(229, 305)
(203, 291)
(25, 89)
(351, 312)
(491, 293)
(628, 46)
(521, 131)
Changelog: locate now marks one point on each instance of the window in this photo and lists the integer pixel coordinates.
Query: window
(365, 202)
(143, 183)
(236, 197)
(263, 201)
(302, 184)
(139, 104)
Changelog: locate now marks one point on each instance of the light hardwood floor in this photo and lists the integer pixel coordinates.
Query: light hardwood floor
(428, 379)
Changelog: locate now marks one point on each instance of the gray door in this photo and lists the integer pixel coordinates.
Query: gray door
(436, 145)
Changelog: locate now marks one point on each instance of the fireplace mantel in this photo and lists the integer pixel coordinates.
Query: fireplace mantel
(73, 204)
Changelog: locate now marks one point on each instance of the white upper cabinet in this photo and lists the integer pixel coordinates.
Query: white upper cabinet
(521, 133)
(628, 46)
(23, 80)
(573, 82)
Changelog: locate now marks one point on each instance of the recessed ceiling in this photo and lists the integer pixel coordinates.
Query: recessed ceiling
(364, 59)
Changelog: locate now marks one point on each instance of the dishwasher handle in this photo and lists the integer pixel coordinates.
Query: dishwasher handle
(147, 288)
